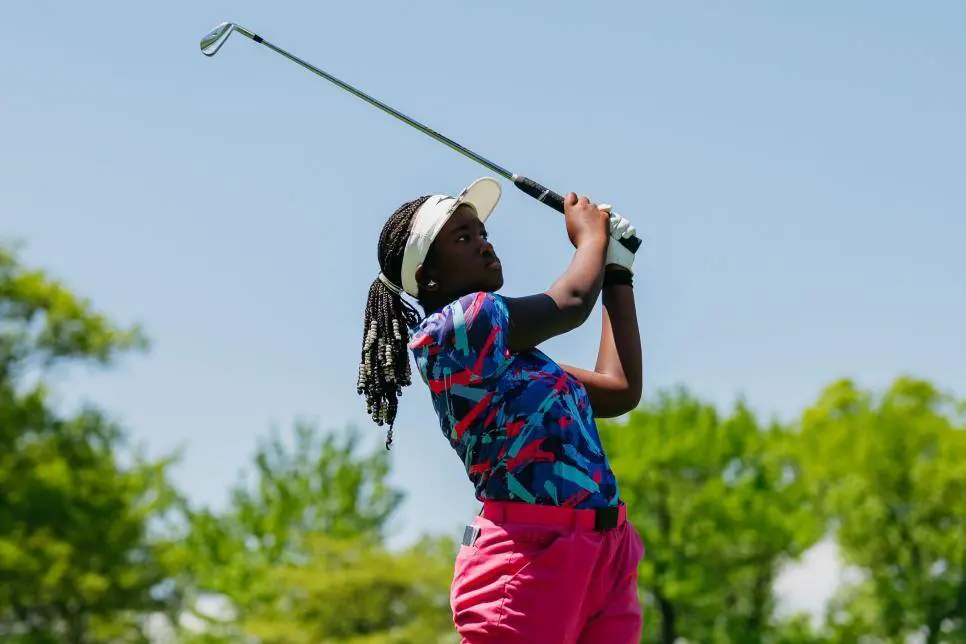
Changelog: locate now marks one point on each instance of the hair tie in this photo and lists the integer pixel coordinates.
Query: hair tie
(396, 290)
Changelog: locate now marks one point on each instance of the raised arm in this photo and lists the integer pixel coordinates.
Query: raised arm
(615, 385)
(570, 299)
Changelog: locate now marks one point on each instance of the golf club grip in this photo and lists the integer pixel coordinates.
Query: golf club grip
(555, 201)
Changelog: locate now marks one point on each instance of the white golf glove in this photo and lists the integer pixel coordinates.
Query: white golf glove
(620, 228)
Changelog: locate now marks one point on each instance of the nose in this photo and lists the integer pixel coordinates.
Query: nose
(486, 248)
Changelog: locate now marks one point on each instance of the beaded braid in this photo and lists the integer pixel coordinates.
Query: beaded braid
(384, 366)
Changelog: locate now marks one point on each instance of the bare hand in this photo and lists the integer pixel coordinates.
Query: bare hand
(585, 221)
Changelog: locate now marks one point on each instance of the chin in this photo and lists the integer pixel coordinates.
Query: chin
(495, 284)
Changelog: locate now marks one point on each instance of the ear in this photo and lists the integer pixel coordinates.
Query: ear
(425, 279)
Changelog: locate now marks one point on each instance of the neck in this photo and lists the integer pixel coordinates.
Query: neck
(437, 301)
(434, 303)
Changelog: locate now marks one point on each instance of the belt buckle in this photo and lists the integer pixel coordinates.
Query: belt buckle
(606, 518)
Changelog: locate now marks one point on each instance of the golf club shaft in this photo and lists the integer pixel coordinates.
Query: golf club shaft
(525, 184)
(377, 103)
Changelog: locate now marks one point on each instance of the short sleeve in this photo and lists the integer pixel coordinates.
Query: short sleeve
(467, 339)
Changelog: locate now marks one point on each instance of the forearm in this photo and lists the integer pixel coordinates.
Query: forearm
(620, 343)
(578, 289)
(616, 383)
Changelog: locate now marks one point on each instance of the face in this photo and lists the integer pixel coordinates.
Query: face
(460, 261)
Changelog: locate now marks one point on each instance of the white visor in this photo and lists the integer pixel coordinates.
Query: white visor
(483, 194)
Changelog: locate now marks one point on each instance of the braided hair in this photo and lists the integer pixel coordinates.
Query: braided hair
(384, 365)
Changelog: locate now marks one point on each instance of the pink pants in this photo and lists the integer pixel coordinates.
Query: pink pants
(539, 574)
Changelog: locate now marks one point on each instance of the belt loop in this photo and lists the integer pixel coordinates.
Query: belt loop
(494, 511)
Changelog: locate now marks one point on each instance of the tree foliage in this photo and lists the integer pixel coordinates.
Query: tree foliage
(300, 550)
(354, 591)
(95, 542)
(889, 473)
(319, 485)
(78, 561)
(720, 512)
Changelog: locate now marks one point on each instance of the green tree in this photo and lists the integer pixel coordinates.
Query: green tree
(79, 561)
(720, 509)
(354, 591)
(300, 550)
(889, 473)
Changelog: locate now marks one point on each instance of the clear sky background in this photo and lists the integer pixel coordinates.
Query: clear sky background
(797, 170)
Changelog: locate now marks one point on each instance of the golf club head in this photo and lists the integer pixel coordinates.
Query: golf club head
(215, 38)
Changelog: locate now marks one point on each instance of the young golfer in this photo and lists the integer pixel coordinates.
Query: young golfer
(551, 557)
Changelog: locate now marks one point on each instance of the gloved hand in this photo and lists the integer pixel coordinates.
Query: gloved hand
(620, 228)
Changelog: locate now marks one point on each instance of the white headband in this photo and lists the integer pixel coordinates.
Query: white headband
(483, 194)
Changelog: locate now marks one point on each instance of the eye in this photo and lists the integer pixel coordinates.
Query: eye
(466, 236)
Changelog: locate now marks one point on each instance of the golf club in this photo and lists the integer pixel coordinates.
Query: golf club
(214, 40)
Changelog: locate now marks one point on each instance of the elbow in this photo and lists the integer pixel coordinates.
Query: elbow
(575, 301)
(632, 394)
(635, 393)
(620, 401)
(626, 402)
(632, 400)
(578, 306)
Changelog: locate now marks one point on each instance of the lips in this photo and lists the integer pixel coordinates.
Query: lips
(493, 264)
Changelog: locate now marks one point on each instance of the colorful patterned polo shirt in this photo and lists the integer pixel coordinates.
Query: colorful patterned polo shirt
(522, 426)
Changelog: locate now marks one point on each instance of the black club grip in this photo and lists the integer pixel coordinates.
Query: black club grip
(555, 201)
(538, 192)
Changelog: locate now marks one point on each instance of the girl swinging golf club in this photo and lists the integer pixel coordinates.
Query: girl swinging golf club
(551, 556)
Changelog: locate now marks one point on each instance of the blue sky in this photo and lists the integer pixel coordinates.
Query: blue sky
(796, 170)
